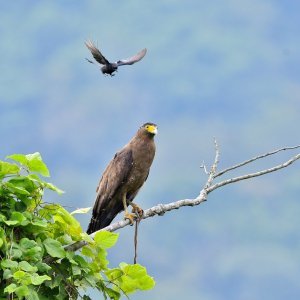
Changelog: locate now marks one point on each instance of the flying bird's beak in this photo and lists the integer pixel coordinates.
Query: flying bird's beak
(152, 129)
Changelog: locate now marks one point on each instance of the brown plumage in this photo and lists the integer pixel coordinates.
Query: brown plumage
(110, 68)
(123, 178)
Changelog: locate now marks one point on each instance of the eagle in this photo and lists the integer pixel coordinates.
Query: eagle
(108, 67)
(123, 178)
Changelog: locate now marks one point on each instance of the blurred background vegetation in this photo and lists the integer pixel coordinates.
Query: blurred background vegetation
(224, 69)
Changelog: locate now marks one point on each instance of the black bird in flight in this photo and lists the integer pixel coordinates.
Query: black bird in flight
(108, 67)
(123, 178)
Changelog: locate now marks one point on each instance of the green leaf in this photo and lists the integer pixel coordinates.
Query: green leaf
(54, 188)
(2, 219)
(106, 239)
(21, 206)
(65, 239)
(7, 273)
(30, 250)
(76, 270)
(85, 237)
(3, 242)
(135, 277)
(81, 261)
(54, 248)
(9, 264)
(101, 258)
(11, 288)
(27, 243)
(23, 183)
(92, 280)
(16, 253)
(87, 251)
(2, 232)
(70, 257)
(33, 295)
(37, 279)
(22, 291)
(17, 216)
(20, 158)
(114, 295)
(114, 274)
(9, 223)
(44, 184)
(33, 162)
(39, 223)
(25, 266)
(16, 189)
(81, 211)
(35, 178)
(19, 275)
(8, 168)
(43, 267)
(69, 224)
(36, 164)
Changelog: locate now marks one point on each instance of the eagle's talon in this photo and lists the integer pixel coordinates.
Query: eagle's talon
(130, 217)
(137, 210)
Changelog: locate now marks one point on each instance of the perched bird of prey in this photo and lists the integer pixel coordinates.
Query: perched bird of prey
(108, 67)
(123, 178)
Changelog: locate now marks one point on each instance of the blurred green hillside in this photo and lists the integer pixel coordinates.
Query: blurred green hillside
(224, 69)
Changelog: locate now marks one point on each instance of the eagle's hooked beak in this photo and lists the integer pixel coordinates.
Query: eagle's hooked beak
(152, 129)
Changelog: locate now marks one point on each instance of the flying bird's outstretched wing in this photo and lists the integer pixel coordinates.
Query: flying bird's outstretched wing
(107, 205)
(96, 53)
(133, 59)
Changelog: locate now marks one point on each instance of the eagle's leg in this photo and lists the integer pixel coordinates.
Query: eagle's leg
(136, 209)
(128, 215)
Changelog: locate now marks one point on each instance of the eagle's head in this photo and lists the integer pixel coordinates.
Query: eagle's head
(149, 128)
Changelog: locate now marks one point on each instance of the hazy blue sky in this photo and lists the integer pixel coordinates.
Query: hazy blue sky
(224, 69)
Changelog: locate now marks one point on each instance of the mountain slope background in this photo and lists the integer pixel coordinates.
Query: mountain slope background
(228, 70)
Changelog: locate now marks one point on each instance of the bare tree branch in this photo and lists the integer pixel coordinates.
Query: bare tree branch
(256, 174)
(255, 158)
(213, 169)
(161, 209)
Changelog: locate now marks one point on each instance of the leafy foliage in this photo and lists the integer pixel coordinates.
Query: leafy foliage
(31, 232)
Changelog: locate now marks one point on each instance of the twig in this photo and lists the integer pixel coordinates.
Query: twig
(213, 169)
(203, 166)
(255, 158)
(252, 175)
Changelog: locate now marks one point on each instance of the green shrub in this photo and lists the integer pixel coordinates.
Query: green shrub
(33, 236)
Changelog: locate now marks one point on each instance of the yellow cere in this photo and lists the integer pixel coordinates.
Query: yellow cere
(152, 129)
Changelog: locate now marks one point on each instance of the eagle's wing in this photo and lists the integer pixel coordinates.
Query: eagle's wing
(133, 59)
(96, 53)
(107, 205)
